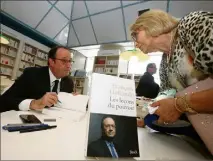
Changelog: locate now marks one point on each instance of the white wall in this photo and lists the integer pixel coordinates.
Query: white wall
(80, 61)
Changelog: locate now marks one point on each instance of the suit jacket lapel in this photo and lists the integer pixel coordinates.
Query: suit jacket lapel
(62, 85)
(65, 85)
(106, 149)
(45, 82)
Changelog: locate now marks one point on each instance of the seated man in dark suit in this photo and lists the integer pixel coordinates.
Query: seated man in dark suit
(105, 147)
(37, 87)
(147, 86)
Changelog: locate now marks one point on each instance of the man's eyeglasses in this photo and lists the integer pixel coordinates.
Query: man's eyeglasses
(64, 61)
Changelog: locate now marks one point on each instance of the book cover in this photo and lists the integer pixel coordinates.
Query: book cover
(112, 125)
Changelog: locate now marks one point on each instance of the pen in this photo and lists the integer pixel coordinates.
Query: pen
(18, 128)
(20, 125)
(37, 129)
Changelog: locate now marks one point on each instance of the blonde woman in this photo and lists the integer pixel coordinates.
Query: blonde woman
(187, 45)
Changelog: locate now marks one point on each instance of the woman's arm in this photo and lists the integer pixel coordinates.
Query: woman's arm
(170, 109)
(201, 102)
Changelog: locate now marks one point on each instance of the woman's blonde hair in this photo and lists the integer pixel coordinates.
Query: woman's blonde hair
(155, 22)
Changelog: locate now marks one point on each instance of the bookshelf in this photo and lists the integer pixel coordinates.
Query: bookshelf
(136, 77)
(41, 58)
(78, 84)
(8, 53)
(32, 56)
(106, 65)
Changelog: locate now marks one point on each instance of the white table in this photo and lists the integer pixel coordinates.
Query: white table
(67, 142)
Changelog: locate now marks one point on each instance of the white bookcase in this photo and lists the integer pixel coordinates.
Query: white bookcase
(8, 53)
(18, 55)
(106, 64)
(32, 56)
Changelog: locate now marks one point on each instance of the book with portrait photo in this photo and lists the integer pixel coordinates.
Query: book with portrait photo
(112, 124)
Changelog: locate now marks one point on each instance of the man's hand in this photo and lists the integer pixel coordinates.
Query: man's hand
(166, 111)
(49, 99)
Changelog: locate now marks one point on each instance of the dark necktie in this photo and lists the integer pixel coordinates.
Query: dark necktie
(55, 88)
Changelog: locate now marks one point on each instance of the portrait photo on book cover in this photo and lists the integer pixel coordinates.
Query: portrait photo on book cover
(112, 136)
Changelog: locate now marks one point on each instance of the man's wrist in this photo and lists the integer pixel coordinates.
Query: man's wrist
(34, 104)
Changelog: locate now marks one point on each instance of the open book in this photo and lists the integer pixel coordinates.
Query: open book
(69, 105)
(112, 125)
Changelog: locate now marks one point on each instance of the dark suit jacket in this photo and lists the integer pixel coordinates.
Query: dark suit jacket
(99, 148)
(32, 84)
(147, 86)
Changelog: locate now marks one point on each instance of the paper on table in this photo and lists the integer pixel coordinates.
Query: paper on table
(57, 112)
(73, 107)
(75, 103)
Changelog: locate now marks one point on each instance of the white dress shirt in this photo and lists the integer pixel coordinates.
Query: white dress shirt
(25, 104)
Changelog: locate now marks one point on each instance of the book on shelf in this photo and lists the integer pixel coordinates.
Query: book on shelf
(29, 49)
(112, 123)
(4, 50)
(12, 52)
(5, 71)
(24, 65)
(42, 55)
(7, 61)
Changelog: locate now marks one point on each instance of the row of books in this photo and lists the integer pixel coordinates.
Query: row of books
(5, 70)
(41, 62)
(99, 70)
(112, 62)
(24, 65)
(42, 55)
(14, 43)
(8, 51)
(7, 61)
(29, 49)
(27, 57)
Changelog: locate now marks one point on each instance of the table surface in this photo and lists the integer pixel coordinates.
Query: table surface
(68, 141)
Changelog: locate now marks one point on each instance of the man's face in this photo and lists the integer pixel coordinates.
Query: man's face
(154, 69)
(109, 127)
(61, 65)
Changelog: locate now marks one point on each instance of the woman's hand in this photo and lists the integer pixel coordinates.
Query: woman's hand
(167, 112)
